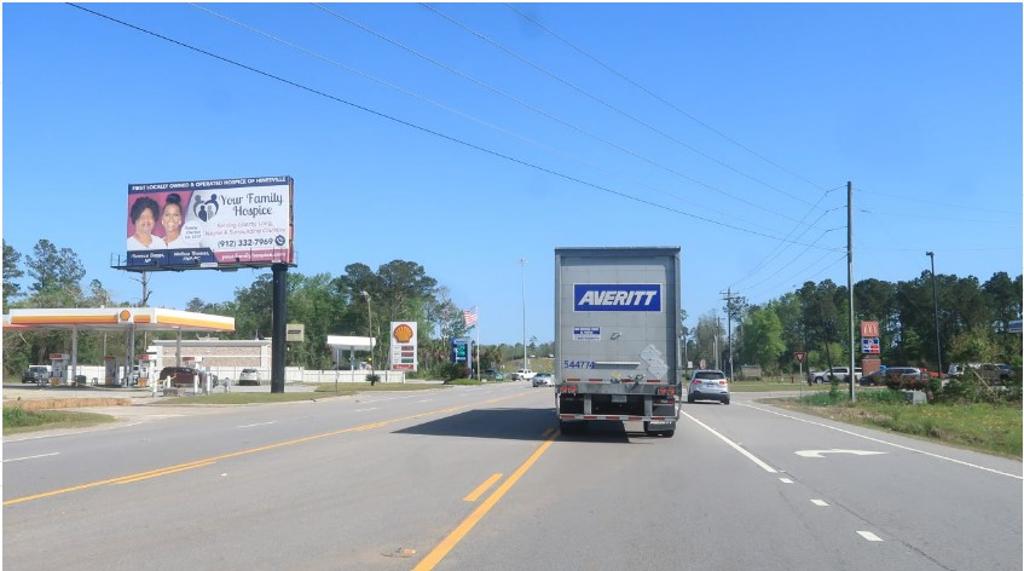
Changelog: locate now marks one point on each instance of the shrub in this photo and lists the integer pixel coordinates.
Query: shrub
(373, 379)
(451, 371)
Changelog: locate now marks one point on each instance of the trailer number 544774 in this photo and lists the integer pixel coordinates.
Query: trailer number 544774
(577, 364)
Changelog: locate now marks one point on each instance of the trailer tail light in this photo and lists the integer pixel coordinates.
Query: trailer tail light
(670, 391)
(567, 389)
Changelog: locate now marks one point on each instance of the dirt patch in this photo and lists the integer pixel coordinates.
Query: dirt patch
(55, 403)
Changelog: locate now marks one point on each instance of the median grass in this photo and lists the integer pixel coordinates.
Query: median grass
(352, 388)
(243, 398)
(18, 420)
(994, 428)
(768, 386)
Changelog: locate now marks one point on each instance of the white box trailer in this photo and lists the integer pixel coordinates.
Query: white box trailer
(617, 336)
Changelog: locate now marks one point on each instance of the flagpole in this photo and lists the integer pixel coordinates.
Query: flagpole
(479, 374)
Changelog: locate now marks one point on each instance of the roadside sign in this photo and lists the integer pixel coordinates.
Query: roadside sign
(295, 332)
(870, 346)
(703, 364)
(800, 356)
(869, 329)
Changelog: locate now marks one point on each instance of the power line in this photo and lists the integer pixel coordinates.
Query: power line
(546, 114)
(610, 106)
(418, 127)
(930, 202)
(421, 97)
(795, 258)
(777, 251)
(663, 100)
(807, 268)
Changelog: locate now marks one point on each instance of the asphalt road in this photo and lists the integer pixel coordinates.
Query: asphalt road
(479, 478)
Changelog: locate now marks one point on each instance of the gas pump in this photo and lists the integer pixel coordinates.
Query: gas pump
(145, 369)
(59, 368)
(109, 371)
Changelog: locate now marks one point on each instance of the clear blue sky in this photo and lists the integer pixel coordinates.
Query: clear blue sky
(919, 105)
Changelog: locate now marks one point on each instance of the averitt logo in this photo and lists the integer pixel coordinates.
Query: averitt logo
(279, 240)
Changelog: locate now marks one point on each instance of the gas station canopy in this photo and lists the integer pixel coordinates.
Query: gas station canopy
(123, 319)
(117, 318)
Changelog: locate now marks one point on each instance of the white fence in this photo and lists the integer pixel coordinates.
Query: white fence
(291, 374)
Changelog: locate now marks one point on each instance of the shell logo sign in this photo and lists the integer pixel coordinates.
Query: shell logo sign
(403, 346)
(403, 333)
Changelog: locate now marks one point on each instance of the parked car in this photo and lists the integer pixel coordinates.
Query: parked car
(543, 380)
(179, 376)
(879, 377)
(708, 384)
(842, 374)
(524, 375)
(38, 374)
(250, 377)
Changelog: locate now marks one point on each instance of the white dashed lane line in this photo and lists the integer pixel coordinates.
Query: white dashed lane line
(820, 503)
(257, 424)
(869, 536)
(30, 457)
(785, 480)
(366, 409)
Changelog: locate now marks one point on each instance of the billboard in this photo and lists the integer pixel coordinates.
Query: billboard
(403, 346)
(210, 223)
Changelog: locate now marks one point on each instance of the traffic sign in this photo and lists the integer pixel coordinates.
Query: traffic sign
(800, 356)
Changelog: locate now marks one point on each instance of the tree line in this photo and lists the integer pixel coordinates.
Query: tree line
(326, 304)
(973, 323)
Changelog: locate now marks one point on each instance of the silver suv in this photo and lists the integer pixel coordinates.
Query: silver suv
(250, 377)
(708, 384)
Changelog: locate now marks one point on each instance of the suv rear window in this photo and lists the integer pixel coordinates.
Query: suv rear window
(709, 375)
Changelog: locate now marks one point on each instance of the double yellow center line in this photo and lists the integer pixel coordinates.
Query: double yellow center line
(203, 462)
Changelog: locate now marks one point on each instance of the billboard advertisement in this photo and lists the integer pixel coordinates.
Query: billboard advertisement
(403, 346)
(210, 223)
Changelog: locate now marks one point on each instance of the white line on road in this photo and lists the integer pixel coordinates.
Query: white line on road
(869, 536)
(820, 503)
(257, 424)
(425, 400)
(785, 480)
(366, 409)
(893, 444)
(764, 465)
(30, 457)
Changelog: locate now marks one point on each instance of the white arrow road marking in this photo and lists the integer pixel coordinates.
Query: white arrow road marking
(257, 424)
(31, 457)
(893, 444)
(820, 453)
(869, 536)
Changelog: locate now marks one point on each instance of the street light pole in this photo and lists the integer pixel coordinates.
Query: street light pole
(522, 265)
(369, 316)
(935, 303)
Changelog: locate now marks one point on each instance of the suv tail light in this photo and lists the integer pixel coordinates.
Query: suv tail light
(722, 382)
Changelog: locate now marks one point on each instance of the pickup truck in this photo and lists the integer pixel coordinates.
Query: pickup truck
(841, 374)
(524, 375)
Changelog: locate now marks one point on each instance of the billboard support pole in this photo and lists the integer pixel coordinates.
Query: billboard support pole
(280, 315)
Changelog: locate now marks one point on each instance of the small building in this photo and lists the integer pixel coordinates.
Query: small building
(214, 353)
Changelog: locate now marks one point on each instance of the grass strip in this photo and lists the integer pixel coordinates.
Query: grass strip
(352, 388)
(761, 386)
(993, 428)
(18, 420)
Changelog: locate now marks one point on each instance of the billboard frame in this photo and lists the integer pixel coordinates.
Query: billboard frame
(119, 262)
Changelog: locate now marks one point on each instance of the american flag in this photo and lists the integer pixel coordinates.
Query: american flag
(469, 316)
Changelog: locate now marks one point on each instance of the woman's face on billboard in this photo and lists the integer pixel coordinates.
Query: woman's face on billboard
(171, 218)
(144, 225)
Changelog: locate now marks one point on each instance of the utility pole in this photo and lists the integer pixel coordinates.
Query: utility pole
(718, 333)
(935, 302)
(277, 325)
(851, 376)
(728, 314)
(522, 265)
